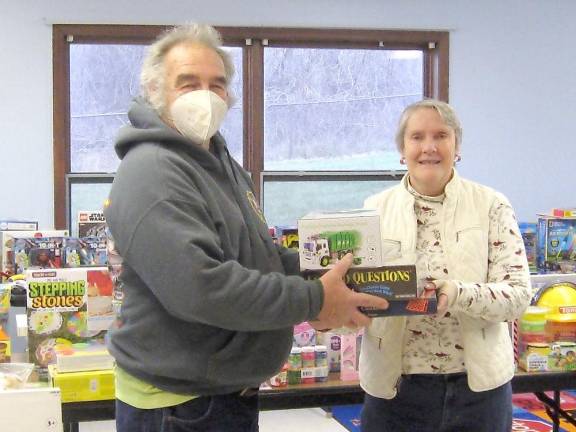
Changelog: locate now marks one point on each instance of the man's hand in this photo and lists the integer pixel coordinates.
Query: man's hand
(446, 293)
(341, 304)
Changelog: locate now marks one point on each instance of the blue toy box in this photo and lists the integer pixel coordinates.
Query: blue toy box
(556, 243)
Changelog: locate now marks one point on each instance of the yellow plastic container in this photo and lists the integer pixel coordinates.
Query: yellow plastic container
(561, 328)
(534, 319)
(83, 386)
(538, 348)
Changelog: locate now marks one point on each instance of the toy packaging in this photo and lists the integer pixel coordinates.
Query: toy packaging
(80, 357)
(83, 386)
(25, 247)
(556, 244)
(324, 238)
(304, 335)
(287, 236)
(58, 310)
(91, 224)
(100, 288)
(529, 233)
(333, 342)
(18, 225)
(562, 356)
(86, 251)
(4, 309)
(558, 212)
(397, 284)
(350, 345)
(43, 252)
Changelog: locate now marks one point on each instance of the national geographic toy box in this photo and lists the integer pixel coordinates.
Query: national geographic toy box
(556, 243)
(324, 238)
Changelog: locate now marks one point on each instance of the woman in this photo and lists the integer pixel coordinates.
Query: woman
(450, 371)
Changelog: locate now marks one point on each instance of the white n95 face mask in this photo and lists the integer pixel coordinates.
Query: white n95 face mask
(198, 114)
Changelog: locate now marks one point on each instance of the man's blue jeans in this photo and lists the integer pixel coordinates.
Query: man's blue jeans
(222, 413)
(439, 403)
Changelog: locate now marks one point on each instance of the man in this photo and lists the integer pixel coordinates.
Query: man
(208, 305)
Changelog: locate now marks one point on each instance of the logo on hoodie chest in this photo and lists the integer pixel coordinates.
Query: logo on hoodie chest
(254, 204)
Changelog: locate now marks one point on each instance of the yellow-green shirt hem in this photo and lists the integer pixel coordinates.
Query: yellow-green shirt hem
(142, 395)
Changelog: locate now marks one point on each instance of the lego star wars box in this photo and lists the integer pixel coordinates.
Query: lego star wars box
(324, 239)
(91, 224)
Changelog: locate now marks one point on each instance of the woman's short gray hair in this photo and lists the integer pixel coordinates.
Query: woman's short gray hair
(152, 74)
(442, 108)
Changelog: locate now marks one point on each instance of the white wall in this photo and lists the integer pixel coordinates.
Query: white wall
(512, 81)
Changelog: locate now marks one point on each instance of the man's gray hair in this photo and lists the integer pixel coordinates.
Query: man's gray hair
(445, 111)
(152, 75)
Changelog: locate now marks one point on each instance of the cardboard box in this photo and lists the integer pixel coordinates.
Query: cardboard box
(350, 345)
(64, 307)
(7, 244)
(31, 410)
(83, 357)
(324, 238)
(17, 225)
(397, 284)
(529, 233)
(83, 386)
(534, 362)
(556, 242)
(562, 356)
(571, 212)
(333, 343)
(91, 224)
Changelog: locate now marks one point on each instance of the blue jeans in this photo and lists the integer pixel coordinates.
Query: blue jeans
(220, 413)
(439, 403)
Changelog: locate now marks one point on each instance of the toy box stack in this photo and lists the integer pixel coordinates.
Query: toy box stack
(24, 249)
(557, 242)
(547, 330)
(326, 237)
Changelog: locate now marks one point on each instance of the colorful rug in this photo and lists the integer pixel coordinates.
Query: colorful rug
(529, 414)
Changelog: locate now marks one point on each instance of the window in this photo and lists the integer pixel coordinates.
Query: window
(314, 121)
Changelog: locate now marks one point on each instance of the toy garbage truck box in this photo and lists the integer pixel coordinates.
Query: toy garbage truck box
(325, 238)
(556, 243)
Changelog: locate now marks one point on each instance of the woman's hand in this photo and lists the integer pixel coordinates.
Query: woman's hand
(446, 293)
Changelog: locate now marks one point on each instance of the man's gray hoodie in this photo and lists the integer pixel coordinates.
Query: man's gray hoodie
(208, 307)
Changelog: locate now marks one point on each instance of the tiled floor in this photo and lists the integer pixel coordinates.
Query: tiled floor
(301, 420)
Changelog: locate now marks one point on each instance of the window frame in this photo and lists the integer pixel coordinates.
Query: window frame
(254, 40)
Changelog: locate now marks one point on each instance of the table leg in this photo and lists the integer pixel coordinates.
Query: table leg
(554, 409)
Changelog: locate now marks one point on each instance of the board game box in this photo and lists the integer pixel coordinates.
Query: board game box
(59, 309)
